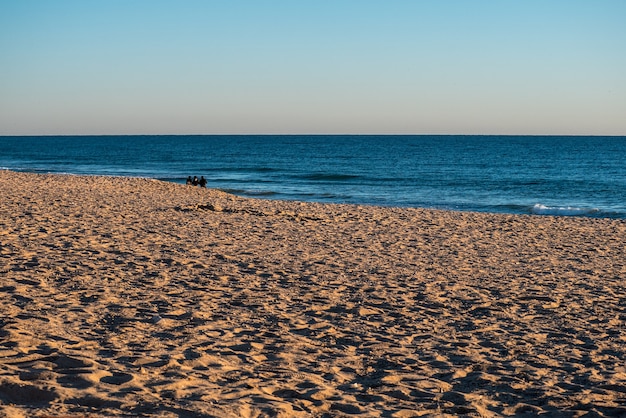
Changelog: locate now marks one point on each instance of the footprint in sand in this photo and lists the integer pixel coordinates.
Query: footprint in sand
(74, 372)
(117, 378)
(26, 394)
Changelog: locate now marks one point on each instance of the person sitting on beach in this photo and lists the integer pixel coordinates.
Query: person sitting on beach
(195, 181)
(202, 181)
(189, 181)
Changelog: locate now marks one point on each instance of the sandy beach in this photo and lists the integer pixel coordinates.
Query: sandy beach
(128, 297)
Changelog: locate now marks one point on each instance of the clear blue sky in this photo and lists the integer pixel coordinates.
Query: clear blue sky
(313, 66)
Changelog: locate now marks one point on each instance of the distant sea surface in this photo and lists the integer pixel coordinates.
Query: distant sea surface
(542, 175)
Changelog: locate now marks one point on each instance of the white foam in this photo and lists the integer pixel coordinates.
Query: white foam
(540, 209)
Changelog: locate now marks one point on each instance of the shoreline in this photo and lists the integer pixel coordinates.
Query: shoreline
(137, 296)
(536, 209)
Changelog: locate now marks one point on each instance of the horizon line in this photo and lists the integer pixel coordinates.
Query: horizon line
(312, 134)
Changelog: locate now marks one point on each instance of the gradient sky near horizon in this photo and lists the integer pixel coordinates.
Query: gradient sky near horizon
(313, 66)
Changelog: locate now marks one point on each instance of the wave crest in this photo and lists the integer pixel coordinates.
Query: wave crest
(540, 209)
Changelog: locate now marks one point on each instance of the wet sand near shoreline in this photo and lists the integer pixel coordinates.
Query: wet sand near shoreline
(136, 297)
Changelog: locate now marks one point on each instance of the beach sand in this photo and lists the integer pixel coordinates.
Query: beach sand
(136, 297)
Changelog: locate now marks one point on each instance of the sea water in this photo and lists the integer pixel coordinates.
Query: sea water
(543, 175)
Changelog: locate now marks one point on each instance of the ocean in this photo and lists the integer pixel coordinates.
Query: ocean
(540, 175)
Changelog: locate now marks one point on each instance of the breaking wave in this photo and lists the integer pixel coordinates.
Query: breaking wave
(540, 209)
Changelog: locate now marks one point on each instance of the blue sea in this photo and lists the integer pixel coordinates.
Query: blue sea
(542, 175)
